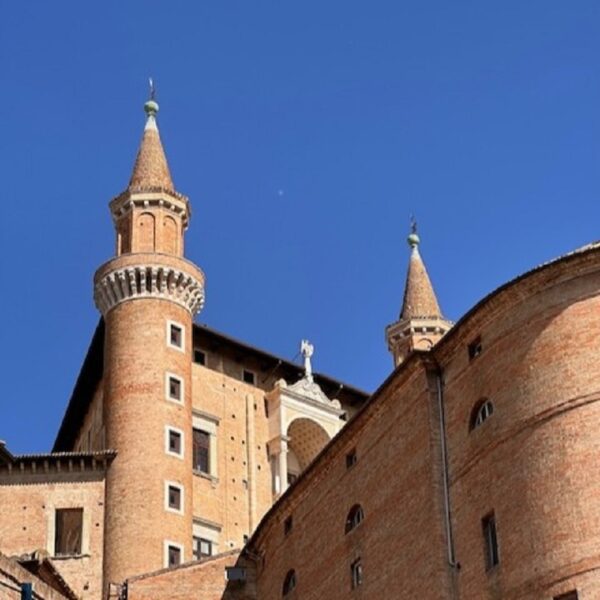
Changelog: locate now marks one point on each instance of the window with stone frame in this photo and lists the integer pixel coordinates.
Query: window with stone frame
(201, 453)
(174, 555)
(68, 529)
(202, 547)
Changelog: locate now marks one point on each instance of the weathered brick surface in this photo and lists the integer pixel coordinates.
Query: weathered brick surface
(27, 520)
(203, 580)
(11, 577)
(136, 411)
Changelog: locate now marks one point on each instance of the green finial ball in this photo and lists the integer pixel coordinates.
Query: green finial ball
(413, 240)
(151, 107)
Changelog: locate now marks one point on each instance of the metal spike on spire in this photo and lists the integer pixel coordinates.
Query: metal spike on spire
(413, 238)
(152, 88)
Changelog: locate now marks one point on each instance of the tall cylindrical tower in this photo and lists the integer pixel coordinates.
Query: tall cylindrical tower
(148, 295)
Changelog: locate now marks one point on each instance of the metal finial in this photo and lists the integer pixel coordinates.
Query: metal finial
(413, 239)
(151, 106)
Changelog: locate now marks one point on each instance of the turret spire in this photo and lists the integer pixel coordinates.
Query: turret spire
(420, 324)
(151, 171)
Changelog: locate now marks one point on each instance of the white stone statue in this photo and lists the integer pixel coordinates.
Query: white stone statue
(307, 350)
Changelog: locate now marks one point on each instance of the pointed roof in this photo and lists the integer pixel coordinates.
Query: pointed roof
(151, 171)
(419, 297)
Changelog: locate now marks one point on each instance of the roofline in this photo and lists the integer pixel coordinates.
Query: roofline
(477, 308)
(92, 370)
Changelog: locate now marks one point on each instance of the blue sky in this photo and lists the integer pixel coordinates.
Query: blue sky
(305, 134)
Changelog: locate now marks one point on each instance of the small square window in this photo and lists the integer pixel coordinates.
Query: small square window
(351, 458)
(174, 554)
(356, 573)
(249, 377)
(174, 388)
(572, 595)
(174, 442)
(202, 548)
(288, 524)
(174, 500)
(199, 357)
(175, 333)
(475, 348)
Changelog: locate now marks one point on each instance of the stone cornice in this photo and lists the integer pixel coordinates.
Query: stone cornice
(153, 197)
(147, 280)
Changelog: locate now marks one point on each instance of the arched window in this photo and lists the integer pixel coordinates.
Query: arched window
(354, 518)
(481, 412)
(289, 582)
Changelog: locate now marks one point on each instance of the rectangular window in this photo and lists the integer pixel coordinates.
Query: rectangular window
(174, 497)
(173, 554)
(174, 388)
(201, 454)
(490, 540)
(174, 441)
(351, 458)
(202, 548)
(175, 335)
(475, 348)
(249, 377)
(68, 529)
(356, 573)
(572, 595)
(199, 357)
(288, 524)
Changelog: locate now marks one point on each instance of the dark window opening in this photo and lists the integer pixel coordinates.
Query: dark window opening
(289, 582)
(572, 595)
(351, 458)
(174, 556)
(249, 377)
(174, 442)
(176, 336)
(291, 477)
(199, 357)
(202, 548)
(201, 451)
(287, 525)
(475, 348)
(490, 540)
(174, 388)
(481, 412)
(174, 497)
(68, 528)
(356, 573)
(354, 518)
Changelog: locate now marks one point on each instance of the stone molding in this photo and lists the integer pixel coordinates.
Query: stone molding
(148, 281)
(177, 203)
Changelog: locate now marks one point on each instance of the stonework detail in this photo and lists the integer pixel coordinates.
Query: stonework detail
(143, 281)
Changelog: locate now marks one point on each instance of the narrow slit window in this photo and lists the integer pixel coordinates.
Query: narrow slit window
(289, 583)
(490, 540)
(475, 348)
(68, 530)
(287, 525)
(356, 573)
(354, 518)
(351, 458)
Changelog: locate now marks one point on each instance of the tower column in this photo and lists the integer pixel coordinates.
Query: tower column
(148, 295)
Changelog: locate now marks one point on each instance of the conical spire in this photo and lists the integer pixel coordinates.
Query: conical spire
(151, 171)
(419, 297)
(421, 324)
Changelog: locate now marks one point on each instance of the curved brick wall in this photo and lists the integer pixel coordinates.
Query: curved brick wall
(136, 411)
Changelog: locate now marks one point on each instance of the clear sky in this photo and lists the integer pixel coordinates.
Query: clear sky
(305, 134)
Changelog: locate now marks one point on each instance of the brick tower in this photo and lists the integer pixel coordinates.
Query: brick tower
(148, 295)
(421, 324)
